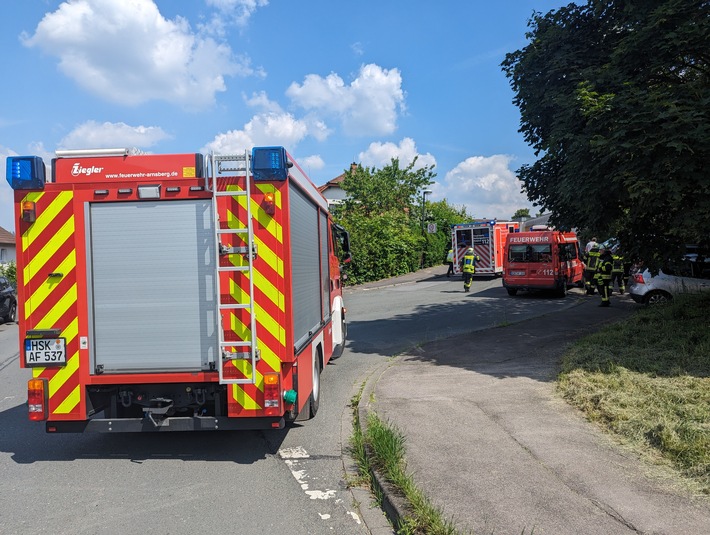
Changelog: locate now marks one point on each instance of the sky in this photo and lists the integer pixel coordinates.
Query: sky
(333, 82)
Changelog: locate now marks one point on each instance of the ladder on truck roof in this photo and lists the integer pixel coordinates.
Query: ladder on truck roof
(222, 167)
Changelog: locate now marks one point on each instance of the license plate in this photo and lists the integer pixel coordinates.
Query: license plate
(45, 352)
(517, 273)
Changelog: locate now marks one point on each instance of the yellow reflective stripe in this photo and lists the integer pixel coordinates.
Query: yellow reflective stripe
(270, 257)
(46, 288)
(266, 220)
(61, 377)
(49, 249)
(263, 284)
(268, 356)
(271, 325)
(45, 216)
(244, 399)
(270, 290)
(58, 310)
(71, 402)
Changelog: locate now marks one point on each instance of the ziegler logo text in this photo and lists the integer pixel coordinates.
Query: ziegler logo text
(77, 170)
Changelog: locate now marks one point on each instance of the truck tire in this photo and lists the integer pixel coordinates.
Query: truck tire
(310, 409)
(562, 290)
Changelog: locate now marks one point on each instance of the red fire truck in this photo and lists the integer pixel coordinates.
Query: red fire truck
(542, 259)
(487, 237)
(174, 292)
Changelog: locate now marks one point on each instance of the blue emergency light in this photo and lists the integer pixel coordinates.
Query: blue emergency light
(25, 172)
(269, 163)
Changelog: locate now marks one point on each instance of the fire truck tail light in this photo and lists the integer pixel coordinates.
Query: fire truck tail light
(272, 393)
(29, 212)
(268, 204)
(37, 399)
(25, 172)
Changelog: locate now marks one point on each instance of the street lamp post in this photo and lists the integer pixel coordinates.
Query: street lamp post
(424, 194)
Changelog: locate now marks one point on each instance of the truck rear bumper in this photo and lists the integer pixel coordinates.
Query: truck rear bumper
(145, 425)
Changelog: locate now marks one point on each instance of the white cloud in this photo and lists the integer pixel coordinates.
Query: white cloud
(262, 101)
(486, 185)
(369, 105)
(126, 52)
(381, 154)
(238, 10)
(267, 129)
(93, 135)
(311, 163)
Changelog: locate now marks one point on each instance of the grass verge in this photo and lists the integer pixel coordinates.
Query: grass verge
(380, 447)
(647, 381)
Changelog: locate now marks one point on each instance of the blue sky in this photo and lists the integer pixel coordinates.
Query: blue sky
(333, 82)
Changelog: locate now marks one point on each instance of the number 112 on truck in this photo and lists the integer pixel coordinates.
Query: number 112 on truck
(175, 292)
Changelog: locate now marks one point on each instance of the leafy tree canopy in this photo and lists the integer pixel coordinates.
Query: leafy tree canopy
(520, 213)
(614, 97)
(375, 191)
(383, 213)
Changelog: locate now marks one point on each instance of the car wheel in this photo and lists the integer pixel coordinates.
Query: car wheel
(11, 314)
(512, 291)
(657, 297)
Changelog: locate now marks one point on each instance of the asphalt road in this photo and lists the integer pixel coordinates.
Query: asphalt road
(289, 481)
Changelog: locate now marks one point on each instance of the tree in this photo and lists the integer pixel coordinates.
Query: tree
(521, 213)
(382, 212)
(444, 215)
(614, 98)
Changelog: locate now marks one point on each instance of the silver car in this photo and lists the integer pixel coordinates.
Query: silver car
(689, 276)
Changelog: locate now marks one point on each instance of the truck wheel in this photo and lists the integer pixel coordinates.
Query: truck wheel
(512, 291)
(315, 395)
(310, 409)
(562, 291)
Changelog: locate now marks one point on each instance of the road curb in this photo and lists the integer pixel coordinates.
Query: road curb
(376, 520)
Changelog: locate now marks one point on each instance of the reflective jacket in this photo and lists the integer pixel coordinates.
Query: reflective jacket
(604, 267)
(617, 263)
(450, 255)
(592, 259)
(469, 262)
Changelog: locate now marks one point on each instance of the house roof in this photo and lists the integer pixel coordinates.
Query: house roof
(335, 182)
(6, 237)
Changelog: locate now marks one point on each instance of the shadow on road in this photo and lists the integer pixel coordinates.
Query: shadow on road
(28, 443)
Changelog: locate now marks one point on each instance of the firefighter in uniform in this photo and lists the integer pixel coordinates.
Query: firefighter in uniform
(603, 276)
(468, 266)
(617, 271)
(591, 261)
(450, 261)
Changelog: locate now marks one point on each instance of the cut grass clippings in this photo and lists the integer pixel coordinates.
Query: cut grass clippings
(647, 380)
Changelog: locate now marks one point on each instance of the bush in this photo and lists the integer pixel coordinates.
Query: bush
(9, 271)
